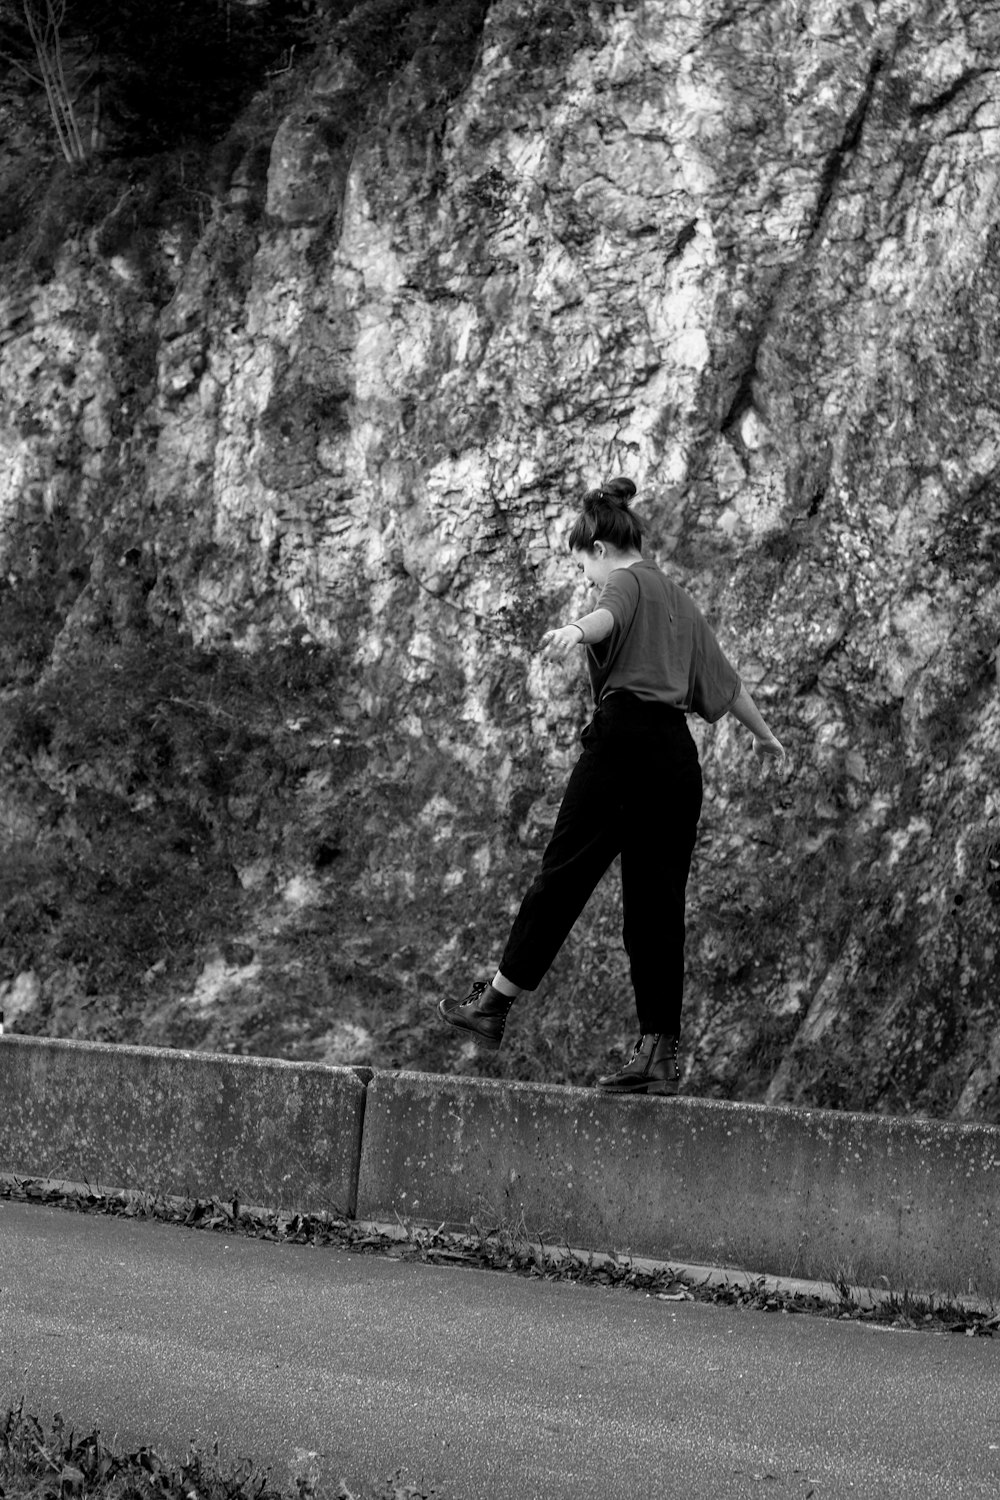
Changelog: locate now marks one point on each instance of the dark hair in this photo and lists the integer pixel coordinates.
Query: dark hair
(605, 517)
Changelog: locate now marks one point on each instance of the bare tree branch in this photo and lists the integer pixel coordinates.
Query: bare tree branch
(44, 20)
(16, 63)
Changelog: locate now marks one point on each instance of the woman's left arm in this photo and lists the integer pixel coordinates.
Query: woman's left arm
(746, 710)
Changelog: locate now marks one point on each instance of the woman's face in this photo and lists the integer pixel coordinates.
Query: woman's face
(596, 564)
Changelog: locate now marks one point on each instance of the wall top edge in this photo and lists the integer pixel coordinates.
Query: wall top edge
(173, 1056)
(842, 1121)
(838, 1122)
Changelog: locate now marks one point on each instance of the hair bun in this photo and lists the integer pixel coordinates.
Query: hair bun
(620, 489)
(605, 517)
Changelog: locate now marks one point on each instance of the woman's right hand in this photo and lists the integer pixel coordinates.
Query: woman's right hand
(562, 640)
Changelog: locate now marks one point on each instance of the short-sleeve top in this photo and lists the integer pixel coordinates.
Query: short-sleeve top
(661, 647)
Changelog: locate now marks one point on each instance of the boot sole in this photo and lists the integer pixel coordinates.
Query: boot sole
(661, 1090)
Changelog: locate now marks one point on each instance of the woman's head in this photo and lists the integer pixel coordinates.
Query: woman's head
(605, 517)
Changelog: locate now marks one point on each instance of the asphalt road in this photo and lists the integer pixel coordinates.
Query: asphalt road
(476, 1382)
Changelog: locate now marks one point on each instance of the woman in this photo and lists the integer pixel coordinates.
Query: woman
(635, 791)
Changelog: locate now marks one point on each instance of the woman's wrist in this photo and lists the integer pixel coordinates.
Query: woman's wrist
(577, 626)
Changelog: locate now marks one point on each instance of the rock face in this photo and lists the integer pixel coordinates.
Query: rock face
(747, 254)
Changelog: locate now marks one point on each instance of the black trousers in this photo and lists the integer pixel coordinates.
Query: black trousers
(635, 791)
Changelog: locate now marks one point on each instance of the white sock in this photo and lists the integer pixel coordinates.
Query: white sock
(504, 987)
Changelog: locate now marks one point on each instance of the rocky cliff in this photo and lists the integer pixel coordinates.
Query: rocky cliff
(284, 492)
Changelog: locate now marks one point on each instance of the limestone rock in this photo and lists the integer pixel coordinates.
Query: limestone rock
(746, 254)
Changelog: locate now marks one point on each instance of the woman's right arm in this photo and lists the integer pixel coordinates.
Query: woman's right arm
(596, 626)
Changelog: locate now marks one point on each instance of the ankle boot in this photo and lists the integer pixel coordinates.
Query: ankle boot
(652, 1068)
(483, 1013)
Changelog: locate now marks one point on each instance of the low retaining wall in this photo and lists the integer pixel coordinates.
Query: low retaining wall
(185, 1123)
(790, 1192)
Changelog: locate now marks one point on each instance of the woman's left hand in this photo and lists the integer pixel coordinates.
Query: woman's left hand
(562, 640)
(769, 747)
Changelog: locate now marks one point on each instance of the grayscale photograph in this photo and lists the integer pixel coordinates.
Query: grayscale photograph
(499, 749)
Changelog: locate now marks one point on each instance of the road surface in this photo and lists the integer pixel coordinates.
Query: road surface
(478, 1383)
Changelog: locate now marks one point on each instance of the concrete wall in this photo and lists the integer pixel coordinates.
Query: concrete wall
(187, 1123)
(809, 1193)
(812, 1193)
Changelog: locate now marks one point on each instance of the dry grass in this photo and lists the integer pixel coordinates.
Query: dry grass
(39, 1463)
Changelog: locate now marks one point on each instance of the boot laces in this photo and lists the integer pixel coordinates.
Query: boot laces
(479, 989)
(637, 1048)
